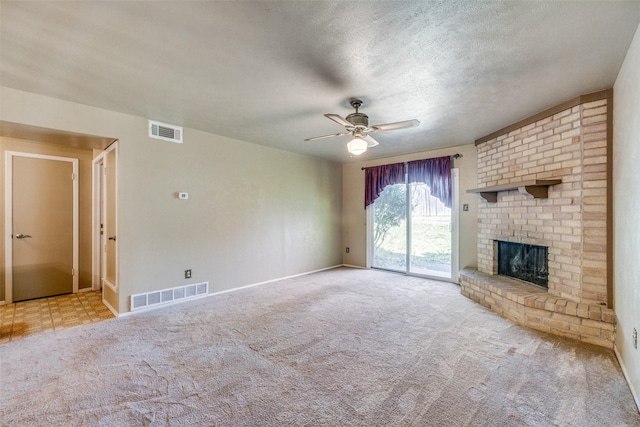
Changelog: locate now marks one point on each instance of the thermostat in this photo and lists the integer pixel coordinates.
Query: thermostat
(183, 196)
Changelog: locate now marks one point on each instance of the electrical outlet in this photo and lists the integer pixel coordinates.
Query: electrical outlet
(347, 249)
(187, 274)
(635, 338)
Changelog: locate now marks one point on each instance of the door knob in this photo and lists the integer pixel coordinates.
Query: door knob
(22, 236)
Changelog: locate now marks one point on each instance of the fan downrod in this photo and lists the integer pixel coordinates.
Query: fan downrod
(356, 103)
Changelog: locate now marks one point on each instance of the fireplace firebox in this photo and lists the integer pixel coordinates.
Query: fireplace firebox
(525, 262)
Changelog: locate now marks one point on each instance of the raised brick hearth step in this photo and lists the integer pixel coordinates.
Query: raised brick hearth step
(537, 309)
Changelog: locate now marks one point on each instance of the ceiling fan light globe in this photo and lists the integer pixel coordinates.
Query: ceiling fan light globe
(357, 146)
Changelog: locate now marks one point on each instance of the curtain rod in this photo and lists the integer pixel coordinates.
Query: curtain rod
(455, 156)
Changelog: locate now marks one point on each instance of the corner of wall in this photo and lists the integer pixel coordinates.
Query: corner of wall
(626, 211)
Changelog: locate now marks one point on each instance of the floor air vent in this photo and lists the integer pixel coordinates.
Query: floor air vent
(164, 296)
(165, 132)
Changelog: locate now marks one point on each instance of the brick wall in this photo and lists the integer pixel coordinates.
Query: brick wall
(571, 145)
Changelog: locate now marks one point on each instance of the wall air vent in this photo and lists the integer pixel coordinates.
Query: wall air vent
(165, 132)
(165, 296)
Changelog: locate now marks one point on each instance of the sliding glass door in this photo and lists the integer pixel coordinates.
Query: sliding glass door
(412, 231)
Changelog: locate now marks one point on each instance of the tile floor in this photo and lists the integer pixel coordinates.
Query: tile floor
(20, 319)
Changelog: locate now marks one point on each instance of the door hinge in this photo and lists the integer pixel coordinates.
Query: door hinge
(73, 177)
(73, 271)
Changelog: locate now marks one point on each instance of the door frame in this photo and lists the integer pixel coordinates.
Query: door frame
(99, 211)
(455, 233)
(8, 217)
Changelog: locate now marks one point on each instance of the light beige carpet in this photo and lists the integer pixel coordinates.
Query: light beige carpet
(343, 347)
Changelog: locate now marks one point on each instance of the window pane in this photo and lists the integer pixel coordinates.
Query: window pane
(390, 229)
(430, 234)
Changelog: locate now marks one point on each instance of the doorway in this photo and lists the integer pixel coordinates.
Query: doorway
(413, 232)
(41, 221)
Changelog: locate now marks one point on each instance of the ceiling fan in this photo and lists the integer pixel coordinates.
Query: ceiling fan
(357, 124)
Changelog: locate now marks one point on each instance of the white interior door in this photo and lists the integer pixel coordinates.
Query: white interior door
(42, 226)
(105, 264)
(109, 220)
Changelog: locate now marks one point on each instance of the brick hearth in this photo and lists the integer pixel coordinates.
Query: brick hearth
(570, 143)
(537, 309)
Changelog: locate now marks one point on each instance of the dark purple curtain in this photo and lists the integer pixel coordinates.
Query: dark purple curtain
(436, 173)
(378, 177)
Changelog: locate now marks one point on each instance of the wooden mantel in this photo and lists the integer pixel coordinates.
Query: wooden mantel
(537, 188)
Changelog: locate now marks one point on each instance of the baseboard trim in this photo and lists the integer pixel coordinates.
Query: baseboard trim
(111, 309)
(627, 378)
(352, 266)
(226, 291)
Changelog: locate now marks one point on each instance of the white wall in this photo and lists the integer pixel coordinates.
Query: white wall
(354, 234)
(253, 213)
(626, 199)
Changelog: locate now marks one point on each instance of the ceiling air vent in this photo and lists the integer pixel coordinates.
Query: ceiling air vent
(165, 132)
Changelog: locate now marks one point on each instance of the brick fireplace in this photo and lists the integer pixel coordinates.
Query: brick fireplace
(545, 181)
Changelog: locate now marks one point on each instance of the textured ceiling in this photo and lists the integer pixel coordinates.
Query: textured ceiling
(266, 72)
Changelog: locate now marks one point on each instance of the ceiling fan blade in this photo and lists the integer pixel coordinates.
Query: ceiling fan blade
(370, 141)
(393, 126)
(326, 136)
(339, 120)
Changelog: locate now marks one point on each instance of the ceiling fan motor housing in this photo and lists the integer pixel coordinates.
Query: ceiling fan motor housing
(359, 120)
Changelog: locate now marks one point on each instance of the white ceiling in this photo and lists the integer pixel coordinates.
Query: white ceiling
(266, 72)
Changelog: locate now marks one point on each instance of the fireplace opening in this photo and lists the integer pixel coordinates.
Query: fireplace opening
(525, 262)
